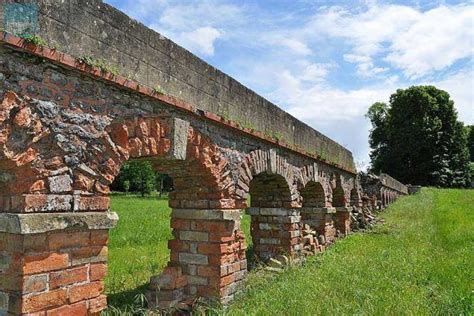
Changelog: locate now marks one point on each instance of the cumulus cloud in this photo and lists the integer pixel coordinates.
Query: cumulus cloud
(201, 39)
(327, 64)
(416, 42)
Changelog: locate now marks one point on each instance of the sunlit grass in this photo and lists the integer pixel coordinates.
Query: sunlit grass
(420, 262)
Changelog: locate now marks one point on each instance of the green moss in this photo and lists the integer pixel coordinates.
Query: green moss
(158, 90)
(34, 39)
(99, 63)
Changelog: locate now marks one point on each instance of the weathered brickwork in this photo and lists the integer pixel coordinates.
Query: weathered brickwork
(60, 272)
(65, 131)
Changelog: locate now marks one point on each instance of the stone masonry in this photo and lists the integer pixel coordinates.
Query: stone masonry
(66, 128)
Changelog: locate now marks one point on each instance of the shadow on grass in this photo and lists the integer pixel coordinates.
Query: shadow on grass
(128, 300)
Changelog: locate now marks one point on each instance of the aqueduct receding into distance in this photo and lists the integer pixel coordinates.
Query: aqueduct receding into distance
(66, 128)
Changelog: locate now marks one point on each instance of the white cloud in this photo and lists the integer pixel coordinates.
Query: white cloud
(460, 87)
(435, 41)
(201, 39)
(416, 42)
(293, 62)
(295, 46)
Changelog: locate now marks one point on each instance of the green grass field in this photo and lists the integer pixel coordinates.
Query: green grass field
(419, 262)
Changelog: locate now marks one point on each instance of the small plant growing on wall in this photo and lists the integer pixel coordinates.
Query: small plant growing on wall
(158, 90)
(34, 39)
(98, 63)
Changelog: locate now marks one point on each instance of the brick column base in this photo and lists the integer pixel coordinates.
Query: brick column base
(321, 219)
(207, 258)
(53, 264)
(342, 220)
(275, 231)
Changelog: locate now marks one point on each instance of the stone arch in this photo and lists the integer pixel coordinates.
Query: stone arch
(197, 166)
(269, 164)
(49, 149)
(57, 159)
(355, 198)
(269, 190)
(313, 195)
(339, 196)
(274, 223)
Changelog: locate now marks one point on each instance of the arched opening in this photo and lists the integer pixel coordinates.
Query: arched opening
(274, 225)
(355, 198)
(313, 195)
(138, 246)
(338, 197)
(205, 221)
(318, 224)
(269, 190)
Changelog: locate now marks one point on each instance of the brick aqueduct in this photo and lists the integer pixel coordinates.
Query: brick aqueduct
(67, 127)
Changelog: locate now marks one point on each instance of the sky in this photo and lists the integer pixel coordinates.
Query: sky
(326, 61)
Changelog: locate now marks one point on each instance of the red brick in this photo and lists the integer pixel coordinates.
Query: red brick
(45, 262)
(35, 242)
(208, 248)
(35, 283)
(66, 277)
(38, 302)
(98, 271)
(77, 309)
(85, 291)
(211, 226)
(208, 271)
(69, 240)
(180, 224)
(97, 203)
(96, 305)
(99, 237)
(178, 245)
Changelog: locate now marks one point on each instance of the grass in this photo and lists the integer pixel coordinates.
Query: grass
(138, 246)
(420, 262)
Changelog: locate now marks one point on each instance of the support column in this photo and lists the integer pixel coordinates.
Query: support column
(53, 263)
(321, 220)
(207, 258)
(342, 220)
(275, 231)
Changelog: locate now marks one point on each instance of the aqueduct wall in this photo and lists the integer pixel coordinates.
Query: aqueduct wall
(66, 128)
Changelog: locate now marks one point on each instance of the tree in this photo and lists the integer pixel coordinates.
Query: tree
(417, 138)
(136, 176)
(470, 141)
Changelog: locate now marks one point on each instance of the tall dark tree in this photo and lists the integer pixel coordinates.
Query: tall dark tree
(470, 141)
(417, 138)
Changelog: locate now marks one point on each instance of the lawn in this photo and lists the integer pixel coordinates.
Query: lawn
(420, 261)
(138, 246)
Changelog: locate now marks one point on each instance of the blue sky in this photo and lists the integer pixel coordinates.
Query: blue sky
(326, 62)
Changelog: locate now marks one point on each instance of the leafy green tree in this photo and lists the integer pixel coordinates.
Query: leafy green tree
(126, 186)
(470, 141)
(417, 138)
(138, 176)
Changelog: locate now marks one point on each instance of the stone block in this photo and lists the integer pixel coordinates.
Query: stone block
(189, 258)
(197, 280)
(60, 184)
(35, 283)
(193, 235)
(41, 223)
(207, 214)
(179, 138)
(3, 302)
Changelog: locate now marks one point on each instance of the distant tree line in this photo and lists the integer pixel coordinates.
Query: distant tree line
(139, 177)
(417, 139)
